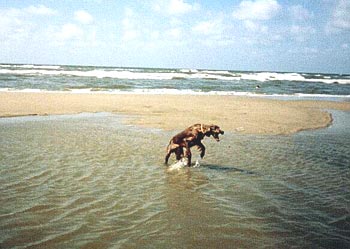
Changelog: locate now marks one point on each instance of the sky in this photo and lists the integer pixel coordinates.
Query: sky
(261, 35)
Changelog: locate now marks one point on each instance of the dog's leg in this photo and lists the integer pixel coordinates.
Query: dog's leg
(179, 153)
(170, 149)
(188, 155)
(202, 149)
(167, 157)
(168, 153)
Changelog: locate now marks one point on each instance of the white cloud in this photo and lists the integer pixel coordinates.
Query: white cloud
(175, 33)
(8, 24)
(129, 26)
(70, 31)
(154, 35)
(257, 10)
(301, 33)
(83, 17)
(40, 10)
(340, 19)
(174, 7)
(255, 26)
(19, 24)
(213, 27)
(130, 35)
(299, 13)
(181, 7)
(175, 22)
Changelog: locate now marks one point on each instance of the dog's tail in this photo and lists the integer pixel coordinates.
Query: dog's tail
(168, 147)
(171, 146)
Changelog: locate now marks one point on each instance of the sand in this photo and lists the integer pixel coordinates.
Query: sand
(175, 112)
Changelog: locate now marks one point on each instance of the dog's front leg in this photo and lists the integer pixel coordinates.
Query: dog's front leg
(202, 149)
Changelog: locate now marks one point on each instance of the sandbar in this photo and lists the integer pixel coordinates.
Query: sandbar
(246, 115)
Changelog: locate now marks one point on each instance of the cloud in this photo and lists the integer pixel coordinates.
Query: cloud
(256, 10)
(175, 7)
(130, 35)
(212, 27)
(255, 26)
(83, 17)
(181, 7)
(129, 26)
(340, 18)
(175, 33)
(18, 24)
(301, 33)
(299, 13)
(40, 10)
(70, 31)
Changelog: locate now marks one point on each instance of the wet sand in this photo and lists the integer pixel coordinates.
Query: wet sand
(174, 112)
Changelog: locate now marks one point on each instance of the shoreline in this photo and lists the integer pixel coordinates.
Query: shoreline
(189, 92)
(247, 115)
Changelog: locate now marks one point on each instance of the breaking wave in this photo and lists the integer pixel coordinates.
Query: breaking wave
(169, 74)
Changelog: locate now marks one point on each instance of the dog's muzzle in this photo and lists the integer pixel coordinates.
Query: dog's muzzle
(216, 135)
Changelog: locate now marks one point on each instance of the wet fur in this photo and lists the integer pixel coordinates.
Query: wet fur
(181, 143)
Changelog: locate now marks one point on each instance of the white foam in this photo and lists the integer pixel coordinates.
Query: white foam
(100, 74)
(178, 165)
(330, 81)
(29, 66)
(159, 75)
(321, 95)
(197, 164)
(267, 76)
(189, 70)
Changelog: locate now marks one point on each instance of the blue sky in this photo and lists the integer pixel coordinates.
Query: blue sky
(274, 35)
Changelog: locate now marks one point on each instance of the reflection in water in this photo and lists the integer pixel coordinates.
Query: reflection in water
(89, 181)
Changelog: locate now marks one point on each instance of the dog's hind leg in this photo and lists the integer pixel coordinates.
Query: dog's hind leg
(167, 157)
(179, 153)
(170, 149)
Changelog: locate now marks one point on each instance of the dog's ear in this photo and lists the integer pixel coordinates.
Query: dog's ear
(205, 128)
(213, 127)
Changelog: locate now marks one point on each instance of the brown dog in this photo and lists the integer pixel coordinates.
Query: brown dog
(192, 136)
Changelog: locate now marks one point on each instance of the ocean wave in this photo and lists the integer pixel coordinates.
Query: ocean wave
(182, 74)
(118, 74)
(30, 66)
(270, 76)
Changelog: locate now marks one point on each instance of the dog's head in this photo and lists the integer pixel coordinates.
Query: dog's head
(215, 131)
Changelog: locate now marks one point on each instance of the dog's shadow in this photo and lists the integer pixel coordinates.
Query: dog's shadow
(228, 169)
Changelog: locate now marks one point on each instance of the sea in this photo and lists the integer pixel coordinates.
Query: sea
(118, 80)
(90, 180)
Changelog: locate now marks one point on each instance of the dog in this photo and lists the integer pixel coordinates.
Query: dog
(192, 136)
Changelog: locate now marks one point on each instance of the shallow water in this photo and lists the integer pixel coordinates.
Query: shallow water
(89, 181)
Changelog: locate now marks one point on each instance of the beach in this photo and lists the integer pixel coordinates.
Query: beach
(174, 112)
(82, 158)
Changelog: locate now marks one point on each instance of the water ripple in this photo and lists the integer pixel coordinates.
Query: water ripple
(82, 182)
